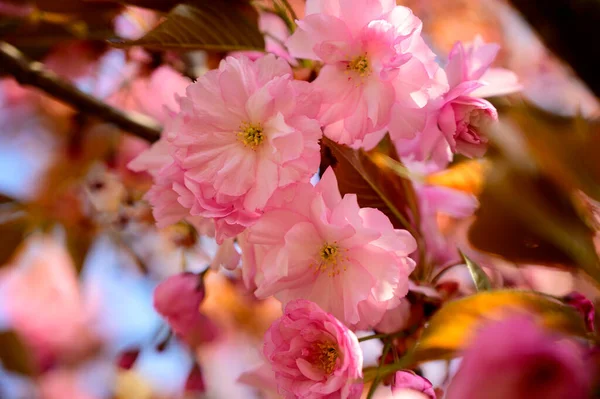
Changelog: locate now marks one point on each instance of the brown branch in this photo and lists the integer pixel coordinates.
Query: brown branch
(32, 73)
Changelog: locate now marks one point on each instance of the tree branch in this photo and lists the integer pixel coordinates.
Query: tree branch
(32, 73)
(569, 28)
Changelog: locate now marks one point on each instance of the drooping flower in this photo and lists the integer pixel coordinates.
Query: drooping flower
(178, 300)
(374, 57)
(311, 243)
(408, 381)
(243, 131)
(515, 358)
(455, 119)
(313, 355)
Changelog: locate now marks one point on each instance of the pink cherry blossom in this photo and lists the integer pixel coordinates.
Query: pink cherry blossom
(152, 95)
(316, 245)
(243, 131)
(452, 122)
(178, 300)
(374, 58)
(533, 363)
(435, 201)
(43, 303)
(470, 77)
(313, 355)
(408, 381)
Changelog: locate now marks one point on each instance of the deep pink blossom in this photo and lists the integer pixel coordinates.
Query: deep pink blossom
(316, 245)
(178, 300)
(374, 58)
(585, 308)
(517, 359)
(313, 355)
(408, 381)
(243, 131)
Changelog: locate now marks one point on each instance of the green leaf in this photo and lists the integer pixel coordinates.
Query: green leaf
(206, 25)
(452, 327)
(375, 185)
(14, 355)
(480, 279)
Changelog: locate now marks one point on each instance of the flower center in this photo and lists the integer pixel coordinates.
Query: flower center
(360, 65)
(251, 134)
(329, 261)
(327, 355)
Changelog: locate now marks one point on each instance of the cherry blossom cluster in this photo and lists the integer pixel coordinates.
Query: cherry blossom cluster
(240, 152)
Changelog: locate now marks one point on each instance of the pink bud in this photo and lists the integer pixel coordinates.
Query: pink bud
(583, 306)
(408, 381)
(178, 300)
(195, 380)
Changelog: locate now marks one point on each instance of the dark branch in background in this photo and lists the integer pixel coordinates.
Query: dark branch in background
(32, 73)
(570, 29)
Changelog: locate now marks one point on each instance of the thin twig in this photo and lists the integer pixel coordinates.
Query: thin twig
(32, 73)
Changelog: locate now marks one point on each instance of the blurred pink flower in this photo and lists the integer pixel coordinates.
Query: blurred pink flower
(374, 57)
(61, 384)
(408, 381)
(43, 303)
(515, 358)
(178, 300)
(134, 22)
(584, 306)
(244, 131)
(152, 95)
(434, 201)
(316, 245)
(394, 319)
(313, 355)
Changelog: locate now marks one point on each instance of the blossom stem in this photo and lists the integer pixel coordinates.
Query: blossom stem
(290, 9)
(31, 73)
(370, 337)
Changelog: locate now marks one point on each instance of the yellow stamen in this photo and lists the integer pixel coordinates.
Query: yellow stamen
(330, 260)
(360, 65)
(251, 134)
(327, 356)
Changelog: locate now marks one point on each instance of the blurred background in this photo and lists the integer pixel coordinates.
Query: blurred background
(80, 255)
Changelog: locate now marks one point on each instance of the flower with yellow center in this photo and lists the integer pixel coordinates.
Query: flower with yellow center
(327, 355)
(251, 134)
(330, 261)
(360, 65)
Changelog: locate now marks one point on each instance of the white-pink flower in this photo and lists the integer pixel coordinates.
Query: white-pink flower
(313, 355)
(313, 244)
(244, 130)
(374, 58)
